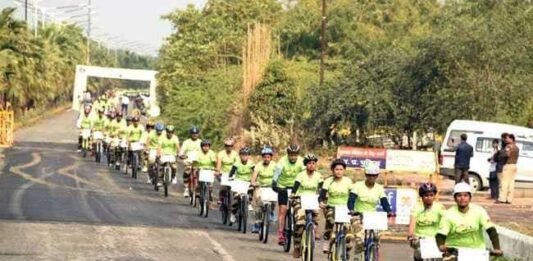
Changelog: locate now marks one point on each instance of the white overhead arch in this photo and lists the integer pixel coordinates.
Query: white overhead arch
(84, 71)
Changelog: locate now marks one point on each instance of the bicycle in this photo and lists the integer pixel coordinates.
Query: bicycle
(370, 241)
(166, 163)
(85, 136)
(338, 250)
(98, 137)
(309, 204)
(241, 187)
(268, 205)
(135, 148)
(225, 202)
(124, 156)
(193, 184)
(205, 177)
(289, 223)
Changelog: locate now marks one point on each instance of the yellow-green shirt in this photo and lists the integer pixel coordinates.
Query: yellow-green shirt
(338, 191)
(427, 220)
(367, 198)
(244, 171)
(227, 160)
(309, 185)
(135, 133)
(168, 146)
(289, 171)
(190, 145)
(265, 174)
(206, 160)
(465, 229)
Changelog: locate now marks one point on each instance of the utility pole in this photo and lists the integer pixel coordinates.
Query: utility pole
(323, 42)
(26, 11)
(89, 32)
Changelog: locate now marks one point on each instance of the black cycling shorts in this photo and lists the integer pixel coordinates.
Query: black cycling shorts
(283, 197)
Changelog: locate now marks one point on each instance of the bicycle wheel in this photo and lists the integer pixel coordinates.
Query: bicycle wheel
(308, 243)
(341, 248)
(201, 199)
(124, 163)
(266, 223)
(228, 208)
(166, 180)
(263, 222)
(240, 213)
(245, 213)
(332, 254)
(206, 200)
(134, 165)
(108, 155)
(223, 206)
(156, 179)
(97, 152)
(371, 253)
(288, 230)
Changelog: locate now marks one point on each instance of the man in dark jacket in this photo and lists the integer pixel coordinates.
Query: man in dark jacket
(463, 153)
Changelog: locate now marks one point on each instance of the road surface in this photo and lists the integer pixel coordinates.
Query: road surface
(55, 205)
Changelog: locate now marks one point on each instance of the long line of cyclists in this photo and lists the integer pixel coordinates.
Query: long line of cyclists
(290, 191)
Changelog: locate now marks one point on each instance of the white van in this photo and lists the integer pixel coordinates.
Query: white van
(480, 136)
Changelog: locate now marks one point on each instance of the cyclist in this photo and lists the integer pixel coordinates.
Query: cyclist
(307, 182)
(425, 218)
(207, 160)
(191, 145)
(242, 170)
(98, 124)
(152, 143)
(134, 133)
(122, 135)
(169, 144)
(288, 167)
(335, 192)
(463, 225)
(262, 177)
(84, 123)
(364, 197)
(225, 160)
(149, 129)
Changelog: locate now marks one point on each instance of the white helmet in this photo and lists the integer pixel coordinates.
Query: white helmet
(372, 168)
(462, 187)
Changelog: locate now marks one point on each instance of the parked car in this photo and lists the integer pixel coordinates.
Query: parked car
(480, 136)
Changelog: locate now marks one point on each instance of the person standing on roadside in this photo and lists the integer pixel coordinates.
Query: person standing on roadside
(125, 101)
(463, 153)
(494, 182)
(511, 151)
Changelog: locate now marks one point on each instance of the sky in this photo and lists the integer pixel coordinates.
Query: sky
(137, 21)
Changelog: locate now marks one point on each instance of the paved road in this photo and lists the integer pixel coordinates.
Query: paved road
(55, 205)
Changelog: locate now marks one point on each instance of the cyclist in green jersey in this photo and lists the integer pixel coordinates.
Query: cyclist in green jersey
(284, 175)
(152, 143)
(84, 123)
(364, 197)
(99, 122)
(308, 182)
(261, 178)
(425, 218)
(169, 144)
(242, 170)
(207, 160)
(464, 224)
(335, 192)
(188, 148)
(225, 160)
(134, 133)
(150, 124)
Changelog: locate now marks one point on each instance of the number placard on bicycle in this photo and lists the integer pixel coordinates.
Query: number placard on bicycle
(168, 159)
(375, 221)
(98, 135)
(152, 154)
(240, 186)
(206, 175)
(467, 254)
(342, 214)
(123, 144)
(224, 180)
(309, 202)
(86, 133)
(268, 195)
(136, 146)
(429, 248)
